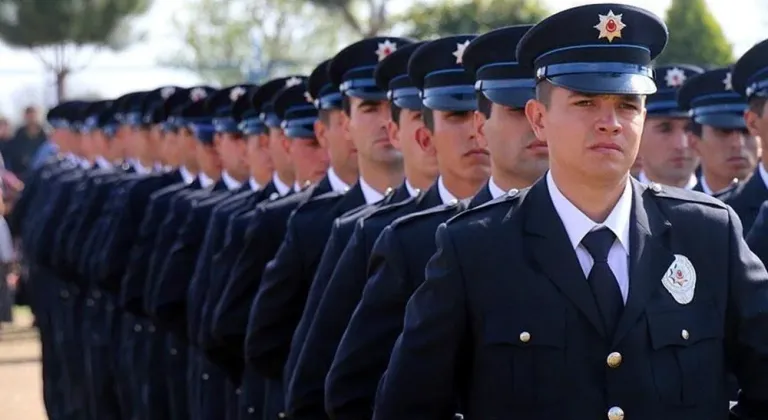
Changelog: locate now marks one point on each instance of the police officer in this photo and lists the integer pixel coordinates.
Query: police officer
(665, 148)
(588, 297)
(717, 131)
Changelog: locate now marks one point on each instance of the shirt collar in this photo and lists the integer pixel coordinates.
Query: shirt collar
(186, 176)
(282, 187)
(577, 224)
(494, 189)
(84, 163)
(336, 183)
(763, 173)
(103, 163)
(692, 181)
(445, 195)
(205, 180)
(140, 169)
(371, 195)
(255, 186)
(231, 183)
(413, 192)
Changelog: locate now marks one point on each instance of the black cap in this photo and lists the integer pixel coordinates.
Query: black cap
(320, 91)
(391, 75)
(92, 113)
(195, 115)
(221, 103)
(297, 115)
(170, 109)
(152, 103)
(351, 70)
(750, 73)
(712, 101)
(66, 114)
(498, 75)
(262, 99)
(604, 49)
(130, 108)
(78, 113)
(669, 80)
(435, 68)
(246, 115)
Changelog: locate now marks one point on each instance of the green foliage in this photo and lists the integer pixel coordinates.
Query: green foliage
(44, 23)
(225, 39)
(365, 18)
(432, 20)
(695, 36)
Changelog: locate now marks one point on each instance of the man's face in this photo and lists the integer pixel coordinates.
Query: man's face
(209, 160)
(403, 135)
(513, 146)
(30, 116)
(310, 160)
(170, 148)
(366, 125)
(666, 150)
(233, 153)
(455, 144)
(590, 137)
(187, 146)
(341, 148)
(756, 118)
(278, 150)
(259, 158)
(726, 153)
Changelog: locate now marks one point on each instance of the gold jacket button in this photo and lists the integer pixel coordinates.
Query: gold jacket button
(615, 413)
(684, 334)
(614, 359)
(525, 336)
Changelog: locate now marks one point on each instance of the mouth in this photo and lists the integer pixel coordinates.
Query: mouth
(477, 152)
(538, 144)
(606, 146)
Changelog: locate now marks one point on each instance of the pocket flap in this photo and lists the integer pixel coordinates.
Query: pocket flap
(683, 327)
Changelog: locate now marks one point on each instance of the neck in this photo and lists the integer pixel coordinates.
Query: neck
(192, 167)
(348, 175)
(240, 176)
(679, 182)
(462, 188)
(146, 162)
(595, 201)
(418, 178)
(287, 176)
(507, 180)
(381, 176)
(714, 182)
(215, 176)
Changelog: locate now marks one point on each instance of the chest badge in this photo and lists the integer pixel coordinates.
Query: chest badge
(680, 280)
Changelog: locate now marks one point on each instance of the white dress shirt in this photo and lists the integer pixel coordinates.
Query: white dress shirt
(255, 186)
(281, 187)
(140, 169)
(231, 183)
(103, 163)
(577, 225)
(371, 195)
(763, 174)
(186, 176)
(337, 184)
(413, 192)
(445, 195)
(494, 189)
(205, 180)
(692, 181)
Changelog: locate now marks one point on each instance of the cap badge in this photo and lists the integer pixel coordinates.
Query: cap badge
(197, 94)
(727, 82)
(166, 92)
(236, 92)
(308, 97)
(610, 26)
(675, 77)
(385, 49)
(459, 53)
(293, 81)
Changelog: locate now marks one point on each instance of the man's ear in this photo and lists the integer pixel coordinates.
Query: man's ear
(424, 140)
(479, 122)
(753, 122)
(393, 132)
(535, 112)
(321, 133)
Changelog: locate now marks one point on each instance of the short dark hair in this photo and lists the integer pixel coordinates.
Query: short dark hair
(695, 128)
(394, 113)
(429, 118)
(544, 92)
(324, 115)
(757, 104)
(346, 104)
(484, 105)
(30, 109)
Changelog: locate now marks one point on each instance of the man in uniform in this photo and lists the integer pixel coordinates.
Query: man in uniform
(668, 157)
(718, 133)
(592, 295)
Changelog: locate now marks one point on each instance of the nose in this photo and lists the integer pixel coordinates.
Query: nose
(680, 141)
(608, 123)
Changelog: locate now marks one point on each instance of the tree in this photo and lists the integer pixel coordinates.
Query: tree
(226, 40)
(365, 18)
(695, 37)
(57, 32)
(469, 16)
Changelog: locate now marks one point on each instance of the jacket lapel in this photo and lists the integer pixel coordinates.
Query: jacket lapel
(649, 256)
(552, 253)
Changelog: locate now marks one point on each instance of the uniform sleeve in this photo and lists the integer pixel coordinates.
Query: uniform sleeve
(331, 309)
(747, 326)
(277, 308)
(421, 376)
(757, 237)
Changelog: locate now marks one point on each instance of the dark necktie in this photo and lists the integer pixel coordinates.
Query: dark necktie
(601, 279)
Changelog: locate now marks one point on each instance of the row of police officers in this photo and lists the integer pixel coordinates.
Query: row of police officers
(416, 230)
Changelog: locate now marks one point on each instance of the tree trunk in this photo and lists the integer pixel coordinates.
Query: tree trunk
(61, 79)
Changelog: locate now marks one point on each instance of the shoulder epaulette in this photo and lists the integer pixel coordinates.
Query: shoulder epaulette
(478, 211)
(318, 201)
(453, 206)
(391, 207)
(682, 194)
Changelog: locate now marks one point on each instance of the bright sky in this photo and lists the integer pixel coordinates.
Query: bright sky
(110, 74)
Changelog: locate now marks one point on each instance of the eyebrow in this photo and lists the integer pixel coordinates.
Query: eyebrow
(369, 102)
(626, 97)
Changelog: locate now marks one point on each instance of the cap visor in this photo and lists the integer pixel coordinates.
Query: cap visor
(513, 98)
(376, 95)
(450, 103)
(412, 102)
(668, 113)
(606, 83)
(725, 121)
